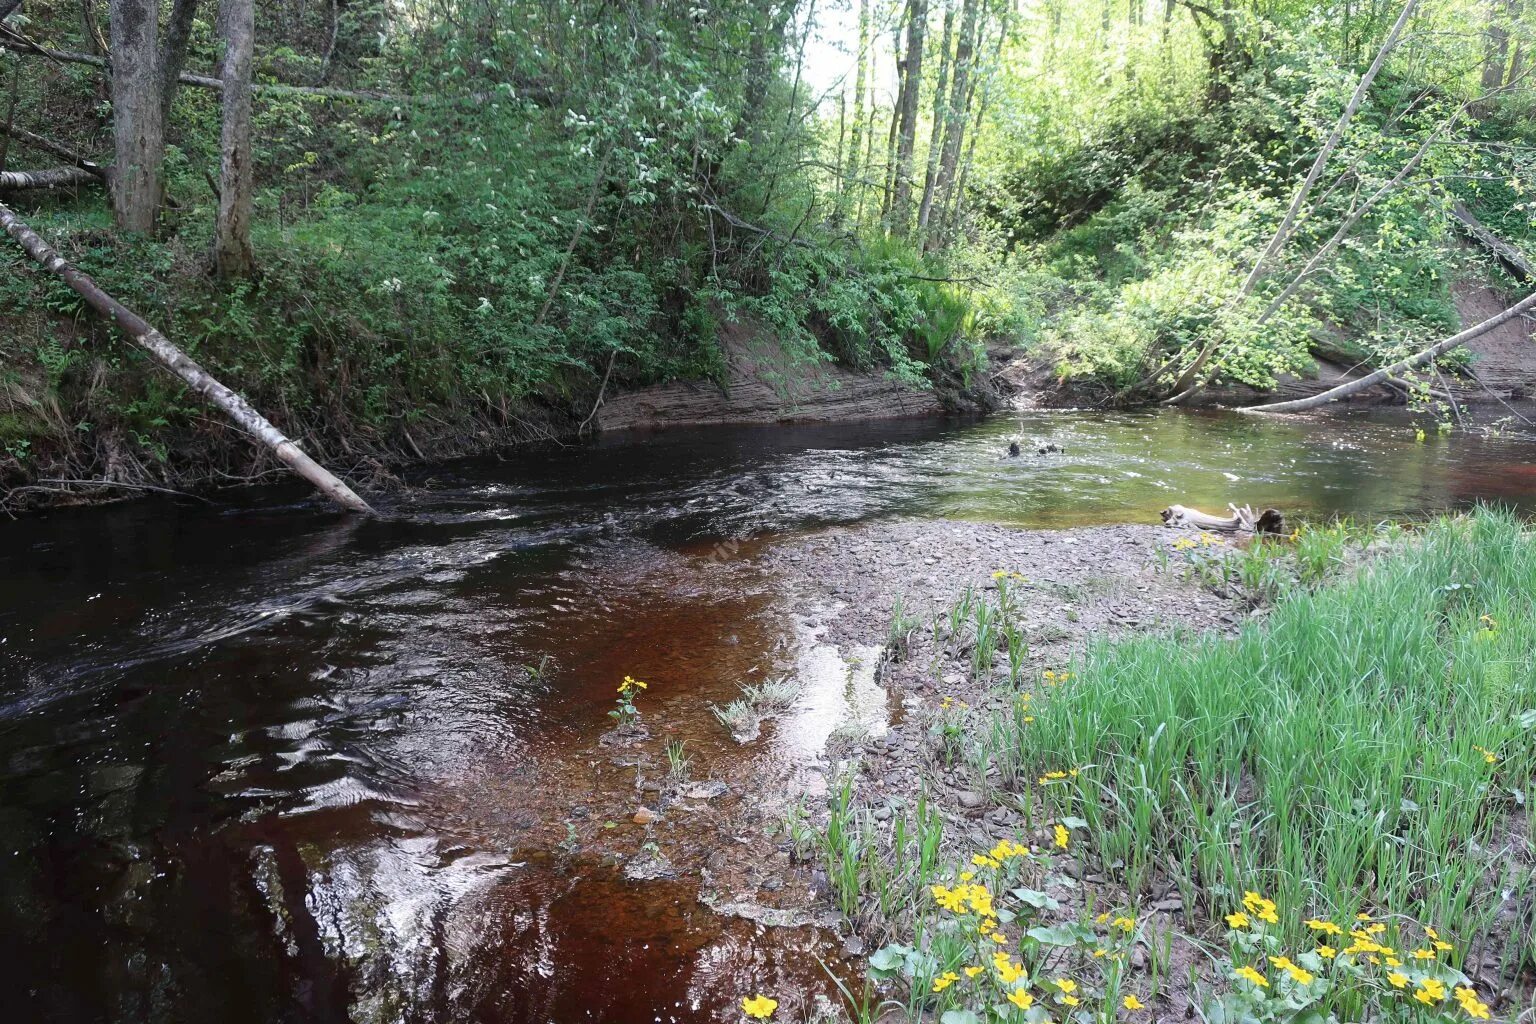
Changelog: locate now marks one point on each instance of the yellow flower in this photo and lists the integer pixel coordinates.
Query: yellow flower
(1423, 954)
(1070, 1000)
(1362, 916)
(1130, 1002)
(759, 1006)
(1326, 927)
(1300, 975)
(1443, 946)
(1007, 970)
(966, 876)
(1023, 1000)
(971, 972)
(1327, 952)
(1431, 990)
(945, 980)
(1238, 920)
(1260, 907)
(1052, 777)
(1398, 979)
(1393, 961)
(1125, 924)
(1067, 985)
(1431, 932)
(1249, 974)
(1474, 1007)
(981, 860)
(1061, 836)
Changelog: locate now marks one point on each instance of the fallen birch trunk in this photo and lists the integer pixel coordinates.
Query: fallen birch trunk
(1429, 355)
(173, 359)
(1241, 519)
(44, 145)
(53, 177)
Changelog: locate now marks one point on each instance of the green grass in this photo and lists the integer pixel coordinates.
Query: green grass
(1365, 746)
(1331, 755)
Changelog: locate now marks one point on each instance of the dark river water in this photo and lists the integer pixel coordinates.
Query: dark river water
(259, 762)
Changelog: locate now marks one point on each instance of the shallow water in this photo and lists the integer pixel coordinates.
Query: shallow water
(262, 763)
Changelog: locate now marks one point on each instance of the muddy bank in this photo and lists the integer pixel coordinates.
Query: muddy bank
(1499, 379)
(764, 384)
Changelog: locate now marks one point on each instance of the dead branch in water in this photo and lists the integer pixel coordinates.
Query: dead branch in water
(1429, 355)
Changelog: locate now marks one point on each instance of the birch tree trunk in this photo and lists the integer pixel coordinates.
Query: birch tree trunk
(1380, 376)
(138, 127)
(53, 177)
(1293, 212)
(173, 359)
(232, 255)
(1193, 378)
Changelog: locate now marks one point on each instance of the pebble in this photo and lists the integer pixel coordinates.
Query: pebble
(970, 798)
(644, 816)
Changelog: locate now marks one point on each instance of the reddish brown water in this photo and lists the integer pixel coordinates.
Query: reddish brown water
(260, 763)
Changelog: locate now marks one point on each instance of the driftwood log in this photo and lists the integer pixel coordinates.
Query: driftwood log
(1242, 519)
(174, 359)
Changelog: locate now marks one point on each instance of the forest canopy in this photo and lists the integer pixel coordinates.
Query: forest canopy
(469, 219)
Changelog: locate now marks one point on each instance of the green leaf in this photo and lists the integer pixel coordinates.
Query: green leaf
(1037, 899)
(1072, 822)
(959, 1017)
(1066, 934)
(889, 958)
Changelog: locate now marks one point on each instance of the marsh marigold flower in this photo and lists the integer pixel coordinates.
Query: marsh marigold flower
(1130, 1002)
(1260, 907)
(1061, 836)
(759, 1007)
(945, 980)
(1430, 991)
(1475, 1008)
(1238, 920)
(1251, 975)
(1023, 1000)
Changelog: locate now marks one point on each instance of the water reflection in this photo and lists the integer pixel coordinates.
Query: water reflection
(264, 763)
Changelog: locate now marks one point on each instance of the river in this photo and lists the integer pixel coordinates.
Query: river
(259, 762)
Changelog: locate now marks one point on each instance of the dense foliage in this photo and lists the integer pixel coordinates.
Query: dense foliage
(531, 199)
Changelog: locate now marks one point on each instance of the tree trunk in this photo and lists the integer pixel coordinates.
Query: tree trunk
(178, 35)
(861, 76)
(1430, 354)
(959, 104)
(173, 359)
(1356, 212)
(940, 117)
(901, 193)
(54, 177)
(1496, 44)
(137, 126)
(43, 145)
(1191, 380)
(232, 255)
